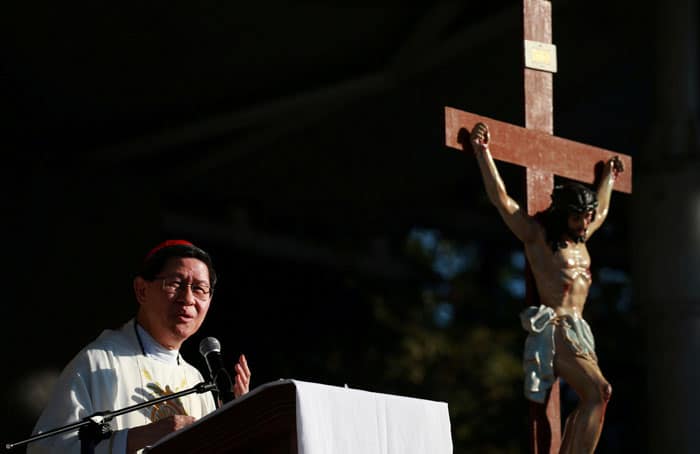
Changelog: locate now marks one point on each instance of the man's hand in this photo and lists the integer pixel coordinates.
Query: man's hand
(616, 166)
(480, 137)
(142, 436)
(242, 380)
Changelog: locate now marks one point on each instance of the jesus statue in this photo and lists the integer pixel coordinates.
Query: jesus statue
(559, 342)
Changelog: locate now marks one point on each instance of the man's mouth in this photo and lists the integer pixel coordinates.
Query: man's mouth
(184, 316)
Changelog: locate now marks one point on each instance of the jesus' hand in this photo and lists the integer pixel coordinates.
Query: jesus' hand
(480, 137)
(616, 166)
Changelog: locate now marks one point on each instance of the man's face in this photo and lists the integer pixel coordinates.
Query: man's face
(578, 223)
(171, 316)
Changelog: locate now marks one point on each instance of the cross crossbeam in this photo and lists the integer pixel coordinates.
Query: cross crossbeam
(537, 150)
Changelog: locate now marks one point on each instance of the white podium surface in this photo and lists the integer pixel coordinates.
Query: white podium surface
(339, 420)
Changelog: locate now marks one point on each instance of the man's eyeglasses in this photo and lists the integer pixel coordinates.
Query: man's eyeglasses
(173, 284)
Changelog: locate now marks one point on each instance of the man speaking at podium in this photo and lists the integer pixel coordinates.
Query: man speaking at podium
(141, 361)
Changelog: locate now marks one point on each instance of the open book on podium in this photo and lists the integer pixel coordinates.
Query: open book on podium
(296, 417)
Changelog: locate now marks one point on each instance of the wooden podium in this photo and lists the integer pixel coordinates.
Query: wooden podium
(294, 417)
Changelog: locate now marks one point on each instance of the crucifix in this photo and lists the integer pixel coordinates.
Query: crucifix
(543, 156)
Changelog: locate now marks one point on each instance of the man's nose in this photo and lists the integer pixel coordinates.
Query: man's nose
(187, 295)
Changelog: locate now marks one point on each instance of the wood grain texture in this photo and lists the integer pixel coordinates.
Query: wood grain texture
(537, 150)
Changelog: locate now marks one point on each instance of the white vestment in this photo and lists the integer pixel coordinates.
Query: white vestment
(109, 374)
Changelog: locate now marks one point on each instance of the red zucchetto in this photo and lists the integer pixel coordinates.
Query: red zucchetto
(164, 244)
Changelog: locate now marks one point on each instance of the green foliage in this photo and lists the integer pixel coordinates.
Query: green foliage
(468, 356)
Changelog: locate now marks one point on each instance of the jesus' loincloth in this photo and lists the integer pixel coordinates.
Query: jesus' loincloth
(538, 358)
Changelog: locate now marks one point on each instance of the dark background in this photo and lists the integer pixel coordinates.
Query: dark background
(303, 146)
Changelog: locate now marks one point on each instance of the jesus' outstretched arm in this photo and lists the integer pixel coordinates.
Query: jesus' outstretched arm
(517, 221)
(610, 171)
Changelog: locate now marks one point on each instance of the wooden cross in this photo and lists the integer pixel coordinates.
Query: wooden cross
(543, 156)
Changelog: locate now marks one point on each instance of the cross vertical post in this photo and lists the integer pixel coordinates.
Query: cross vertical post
(545, 420)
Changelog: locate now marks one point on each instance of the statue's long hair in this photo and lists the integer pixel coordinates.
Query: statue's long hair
(567, 198)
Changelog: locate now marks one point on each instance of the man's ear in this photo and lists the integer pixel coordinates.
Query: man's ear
(140, 289)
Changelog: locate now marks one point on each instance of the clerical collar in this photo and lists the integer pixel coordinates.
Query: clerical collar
(151, 348)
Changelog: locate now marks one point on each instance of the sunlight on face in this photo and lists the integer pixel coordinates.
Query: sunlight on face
(173, 316)
(578, 224)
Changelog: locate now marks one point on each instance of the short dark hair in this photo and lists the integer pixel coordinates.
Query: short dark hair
(156, 259)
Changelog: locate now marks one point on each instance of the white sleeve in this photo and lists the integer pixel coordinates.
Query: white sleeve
(69, 403)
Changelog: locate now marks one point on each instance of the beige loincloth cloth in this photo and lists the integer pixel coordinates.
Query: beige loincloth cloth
(538, 357)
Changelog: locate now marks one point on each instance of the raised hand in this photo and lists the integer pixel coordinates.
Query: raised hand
(480, 137)
(242, 380)
(616, 166)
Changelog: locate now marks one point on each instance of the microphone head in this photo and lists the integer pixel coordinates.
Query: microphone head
(208, 345)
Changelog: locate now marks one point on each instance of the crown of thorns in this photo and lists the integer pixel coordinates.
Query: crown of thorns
(573, 197)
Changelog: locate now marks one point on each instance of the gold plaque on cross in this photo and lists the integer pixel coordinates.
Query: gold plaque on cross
(541, 56)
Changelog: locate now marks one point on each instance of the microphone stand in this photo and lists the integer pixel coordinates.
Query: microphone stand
(95, 428)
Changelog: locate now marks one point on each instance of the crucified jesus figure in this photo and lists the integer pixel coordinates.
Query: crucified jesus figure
(559, 342)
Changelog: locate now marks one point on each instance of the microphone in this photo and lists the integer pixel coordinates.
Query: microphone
(210, 348)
